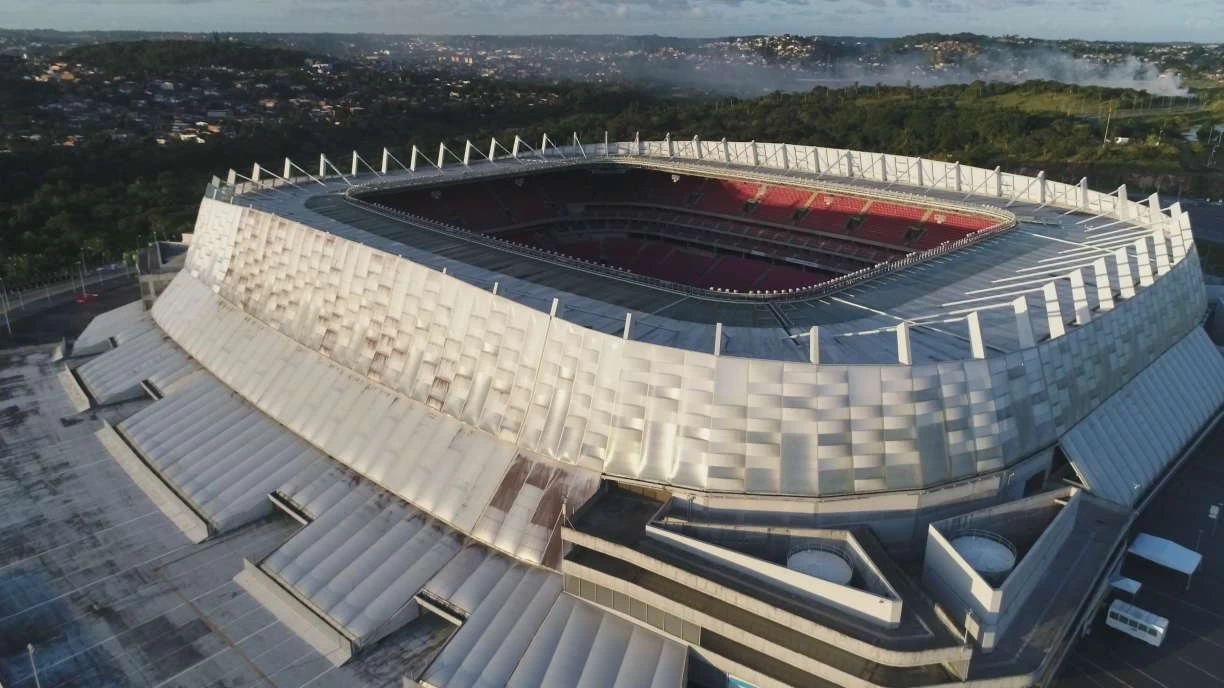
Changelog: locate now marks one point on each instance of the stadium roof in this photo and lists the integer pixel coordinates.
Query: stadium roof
(856, 324)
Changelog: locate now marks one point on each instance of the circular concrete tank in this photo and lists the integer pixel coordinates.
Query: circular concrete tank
(822, 564)
(990, 554)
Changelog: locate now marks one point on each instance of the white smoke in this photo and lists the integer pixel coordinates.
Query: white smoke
(1005, 65)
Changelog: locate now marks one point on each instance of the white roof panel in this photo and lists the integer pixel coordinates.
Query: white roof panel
(1166, 553)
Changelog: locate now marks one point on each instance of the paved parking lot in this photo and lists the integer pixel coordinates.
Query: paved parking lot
(1193, 651)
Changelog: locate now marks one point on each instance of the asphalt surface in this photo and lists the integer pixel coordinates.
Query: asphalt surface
(43, 324)
(1193, 652)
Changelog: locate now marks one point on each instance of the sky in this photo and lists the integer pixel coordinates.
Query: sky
(1139, 20)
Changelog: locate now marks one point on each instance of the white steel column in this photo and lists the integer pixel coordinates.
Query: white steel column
(977, 346)
(353, 173)
(905, 353)
(1123, 203)
(1144, 256)
(1024, 326)
(1100, 272)
(1173, 228)
(1079, 296)
(718, 339)
(1053, 310)
(1126, 281)
(814, 344)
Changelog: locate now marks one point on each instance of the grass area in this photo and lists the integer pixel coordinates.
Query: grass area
(1055, 101)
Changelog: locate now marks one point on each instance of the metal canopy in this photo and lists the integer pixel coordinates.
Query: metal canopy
(1167, 553)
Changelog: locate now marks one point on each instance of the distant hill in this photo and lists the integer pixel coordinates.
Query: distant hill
(136, 57)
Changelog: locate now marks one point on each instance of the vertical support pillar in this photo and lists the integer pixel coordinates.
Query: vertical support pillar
(255, 170)
(1079, 297)
(607, 149)
(386, 157)
(1123, 203)
(697, 148)
(905, 353)
(1126, 281)
(492, 148)
(495, 287)
(441, 155)
(637, 143)
(1144, 257)
(814, 345)
(353, 173)
(998, 172)
(628, 326)
(1154, 204)
(718, 339)
(977, 345)
(1053, 310)
(1162, 253)
(883, 168)
(671, 147)
(921, 173)
(288, 169)
(322, 165)
(849, 165)
(552, 311)
(1041, 187)
(412, 162)
(1100, 273)
(816, 160)
(1083, 192)
(785, 157)
(726, 151)
(1177, 242)
(231, 177)
(755, 158)
(514, 150)
(467, 154)
(959, 182)
(543, 145)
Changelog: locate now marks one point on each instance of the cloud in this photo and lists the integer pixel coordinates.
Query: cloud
(1107, 19)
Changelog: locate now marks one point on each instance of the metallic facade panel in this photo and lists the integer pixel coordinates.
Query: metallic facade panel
(1122, 447)
(516, 380)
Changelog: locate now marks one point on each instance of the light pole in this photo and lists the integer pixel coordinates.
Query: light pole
(33, 666)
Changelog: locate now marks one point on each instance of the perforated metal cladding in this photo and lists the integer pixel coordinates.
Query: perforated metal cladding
(435, 339)
(673, 416)
(212, 244)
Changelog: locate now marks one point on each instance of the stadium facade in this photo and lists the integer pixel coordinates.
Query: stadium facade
(669, 412)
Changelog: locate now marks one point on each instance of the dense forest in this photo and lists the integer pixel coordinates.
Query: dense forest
(107, 197)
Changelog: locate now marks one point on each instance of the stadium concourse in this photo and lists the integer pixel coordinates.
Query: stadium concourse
(650, 413)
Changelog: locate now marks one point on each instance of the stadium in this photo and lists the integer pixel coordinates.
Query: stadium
(658, 413)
